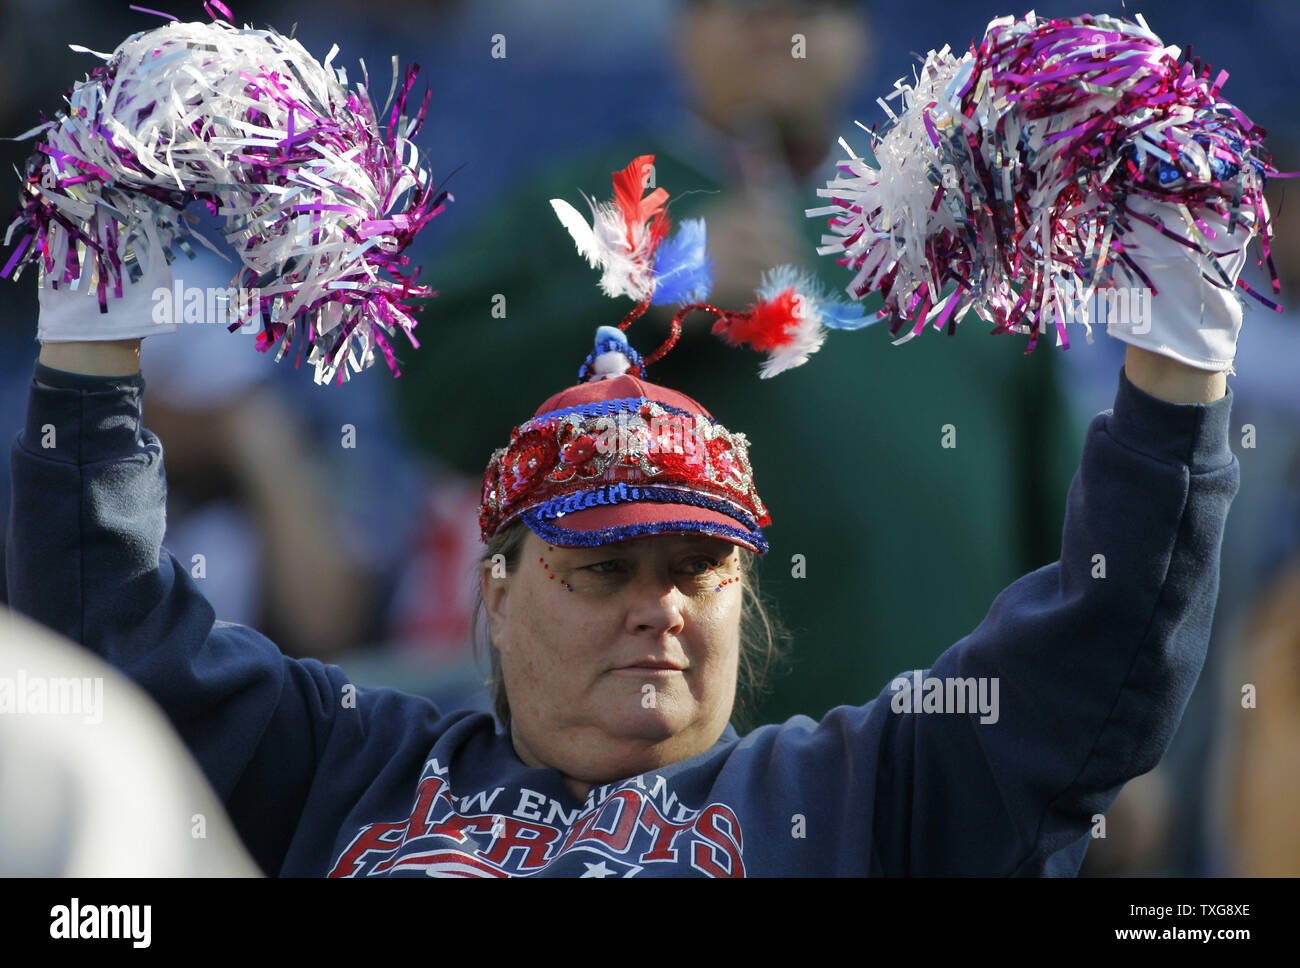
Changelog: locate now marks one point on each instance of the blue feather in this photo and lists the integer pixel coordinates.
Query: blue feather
(842, 315)
(682, 270)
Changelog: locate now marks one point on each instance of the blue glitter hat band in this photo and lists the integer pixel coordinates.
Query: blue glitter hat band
(545, 519)
(554, 534)
(622, 493)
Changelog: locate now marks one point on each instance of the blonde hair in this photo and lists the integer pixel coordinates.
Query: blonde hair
(763, 639)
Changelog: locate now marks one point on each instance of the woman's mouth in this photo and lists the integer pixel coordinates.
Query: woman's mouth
(662, 667)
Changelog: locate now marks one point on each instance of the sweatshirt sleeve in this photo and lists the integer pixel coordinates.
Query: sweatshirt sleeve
(86, 559)
(1093, 659)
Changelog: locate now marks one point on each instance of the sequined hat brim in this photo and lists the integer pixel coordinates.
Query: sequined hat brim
(635, 519)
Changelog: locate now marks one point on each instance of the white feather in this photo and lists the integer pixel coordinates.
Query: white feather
(625, 271)
(583, 236)
(808, 339)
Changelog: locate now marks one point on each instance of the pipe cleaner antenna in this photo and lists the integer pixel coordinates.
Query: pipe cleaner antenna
(628, 240)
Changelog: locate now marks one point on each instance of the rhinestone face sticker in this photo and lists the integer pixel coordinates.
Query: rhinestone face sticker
(546, 567)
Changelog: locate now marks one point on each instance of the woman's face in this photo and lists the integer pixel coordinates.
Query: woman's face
(622, 662)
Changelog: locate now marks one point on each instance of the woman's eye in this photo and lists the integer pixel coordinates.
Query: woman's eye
(707, 563)
(614, 566)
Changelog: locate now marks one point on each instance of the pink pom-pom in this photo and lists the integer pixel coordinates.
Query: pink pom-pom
(1000, 184)
(319, 201)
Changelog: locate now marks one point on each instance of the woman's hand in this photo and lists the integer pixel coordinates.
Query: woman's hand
(1186, 351)
(76, 337)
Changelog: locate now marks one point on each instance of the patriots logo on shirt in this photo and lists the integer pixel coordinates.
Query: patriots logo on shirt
(451, 863)
(625, 833)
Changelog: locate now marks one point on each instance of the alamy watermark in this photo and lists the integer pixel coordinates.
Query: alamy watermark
(26, 695)
(917, 693)
(208, 304)
(75, 921)
(1123, 306)
(623, 434)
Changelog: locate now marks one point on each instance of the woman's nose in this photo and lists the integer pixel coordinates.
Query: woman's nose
(656, 606)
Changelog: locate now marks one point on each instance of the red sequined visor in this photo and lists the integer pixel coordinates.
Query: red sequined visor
(620, 458)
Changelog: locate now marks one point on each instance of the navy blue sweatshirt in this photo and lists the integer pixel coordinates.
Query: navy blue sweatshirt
(1090, 661)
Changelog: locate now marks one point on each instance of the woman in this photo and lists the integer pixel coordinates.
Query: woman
(616, 610)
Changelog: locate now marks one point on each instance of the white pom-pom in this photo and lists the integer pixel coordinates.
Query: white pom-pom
(606, 366)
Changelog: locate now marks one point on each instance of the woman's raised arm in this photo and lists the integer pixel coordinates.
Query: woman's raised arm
(85, 558)
(1088, 662)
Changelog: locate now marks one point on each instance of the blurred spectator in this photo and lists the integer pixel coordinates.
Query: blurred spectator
(1138, 830)
(1258, 790)
(1257, 628)
(288, 501)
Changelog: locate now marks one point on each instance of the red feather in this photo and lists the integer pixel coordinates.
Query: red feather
(766, 326)
(629, 185)
(658, 230)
